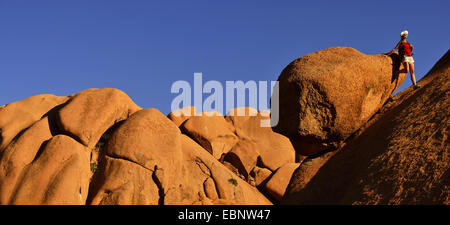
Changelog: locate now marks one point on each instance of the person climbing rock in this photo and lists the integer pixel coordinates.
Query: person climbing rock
(405, 52)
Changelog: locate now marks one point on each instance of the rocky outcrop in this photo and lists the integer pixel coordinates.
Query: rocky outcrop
(142, 161)
(19, 115)
(212, 132)
(88, 114)
(400, 156)
(277, 183)
(243, 156)
(327, 95)
(273, 149)
(305, 172)
(58, 175)
(260, 175)
(210, 182)
(120, 181)
(20, 153)
(180, 115)
(98, 147)
(240, 142)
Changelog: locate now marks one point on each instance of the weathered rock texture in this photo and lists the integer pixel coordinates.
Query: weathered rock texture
(208, 181)
(142, 161)
(88, 114)
(48, 144)
(58, 175)
(401, 156)
(239, 142)
(327, 95)
(212, 132)
(19, 154)
(19, 115)
(273, 150)
(99, 147)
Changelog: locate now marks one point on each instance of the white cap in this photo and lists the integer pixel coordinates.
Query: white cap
(403, 33)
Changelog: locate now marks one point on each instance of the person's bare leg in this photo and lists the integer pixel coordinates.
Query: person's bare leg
(413, 77)
(405, 68)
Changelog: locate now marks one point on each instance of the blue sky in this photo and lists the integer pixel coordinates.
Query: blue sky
(142, 47)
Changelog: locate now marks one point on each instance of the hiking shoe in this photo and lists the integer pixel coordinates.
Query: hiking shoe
(417, 86)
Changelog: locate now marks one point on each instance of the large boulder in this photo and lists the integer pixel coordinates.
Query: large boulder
(243, 156)
(273, 149)
(400, 157)
(277, 183)
(19, 115)
(143, 161)
(149, 139)
(88, 114)
(59, 175)
(20, 153)
(261, 175)
(247, 122)
(123, 182)
(327, 95)
(212, 132)
(207, 181)
(305, 172)
(180, 115)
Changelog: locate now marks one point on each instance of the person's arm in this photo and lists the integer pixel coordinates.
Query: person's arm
(396, 47)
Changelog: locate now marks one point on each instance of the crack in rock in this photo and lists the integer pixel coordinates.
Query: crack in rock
(158, 183)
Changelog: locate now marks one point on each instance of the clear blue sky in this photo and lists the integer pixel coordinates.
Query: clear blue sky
(142, 47)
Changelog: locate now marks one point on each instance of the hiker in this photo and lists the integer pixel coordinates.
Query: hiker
(405, 52)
